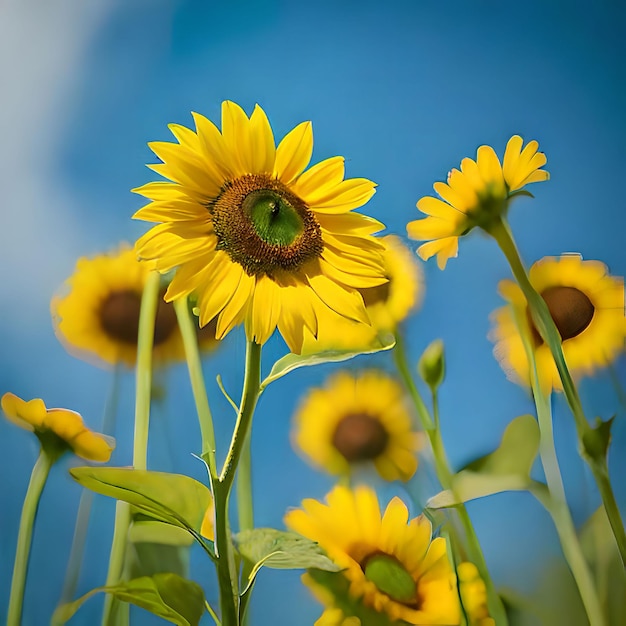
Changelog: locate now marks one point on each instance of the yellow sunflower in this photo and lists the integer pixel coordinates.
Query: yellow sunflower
(391, 563)
(473, 595)
(387, 305)
(65, 427)
(357, 419)
(587, 306)
(476, 195)
(98, 317)
(260, 240)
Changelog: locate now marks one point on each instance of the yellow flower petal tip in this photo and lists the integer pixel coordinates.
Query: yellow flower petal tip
(354, 420)
(96, 317)
(262, 240)
(391, 563)
(65, 425)
(476, 195)
(587, 306)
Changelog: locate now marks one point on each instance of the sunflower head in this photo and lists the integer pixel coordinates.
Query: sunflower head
(260, 240)
(387, 305)
(97, 318)
(58, 430)
(358, 419)
(391, 564)
(587, 306)
(476, 195)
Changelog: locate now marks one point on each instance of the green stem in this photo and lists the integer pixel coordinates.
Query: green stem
(226, 571)
(245, 503)
(38, 479)
(445, 475)
(560, 513)
(143, 391)
(194, 365)
(590, 450)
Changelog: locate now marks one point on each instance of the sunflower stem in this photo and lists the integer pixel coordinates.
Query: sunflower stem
(198, 387)
(594, 455)
(143, 391)
(245, 504)
(226, 570)
(38, 479)
(445, 475)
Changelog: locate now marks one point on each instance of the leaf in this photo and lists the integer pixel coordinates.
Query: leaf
(152, 531)
(597, 439)
(171, 498)
(175, 599)
(506, 469)
(279, 549)
(291, 361)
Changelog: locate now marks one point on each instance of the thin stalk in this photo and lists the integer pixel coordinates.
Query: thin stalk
(38, 479)
(591, 450)
(445, 475)
(226, 571)
(245, 504)
(194, 365)
(143, 389)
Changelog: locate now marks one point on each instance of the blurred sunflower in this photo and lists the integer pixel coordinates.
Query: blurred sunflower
(387, 305)
(587, 306)
(258, 239)
(476, 195)
(57, 429)
(358, 419)
(390, 562)
(473, 595)
(97, 318)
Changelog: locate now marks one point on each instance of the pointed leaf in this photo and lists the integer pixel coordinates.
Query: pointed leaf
(175, 599)
(597, 439)
(291, 362)
(171, 498)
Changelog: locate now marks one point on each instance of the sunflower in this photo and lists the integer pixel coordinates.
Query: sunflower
(260, 240)
(473, 595)
(387, 305)
(391, 563)
(356, 419)
(98, 317)
(61, 428)
(587, 306)
(476, 195)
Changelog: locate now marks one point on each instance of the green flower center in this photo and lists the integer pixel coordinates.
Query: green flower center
(391, 577)
(571, 310)
(360, 437)
(263, 226)
(119, 317)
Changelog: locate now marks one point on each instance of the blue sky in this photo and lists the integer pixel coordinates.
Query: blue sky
(403, 90)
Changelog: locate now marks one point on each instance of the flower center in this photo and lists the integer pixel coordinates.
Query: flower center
(391, 577)
(359, 437)
(374, 295)
(119, 317)
(263, 226)
(571, 310)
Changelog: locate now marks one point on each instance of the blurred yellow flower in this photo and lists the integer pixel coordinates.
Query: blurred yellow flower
(358, 419)
(476, 195)
(473, 595)
(587, 306)
(261, 241)
(65, 426)
(391, 563)
(387, 305)
(97, 319)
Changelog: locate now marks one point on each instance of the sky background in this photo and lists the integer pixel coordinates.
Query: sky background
(403, 90)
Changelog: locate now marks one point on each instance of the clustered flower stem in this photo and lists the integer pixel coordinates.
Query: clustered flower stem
(590, 446)
(143, 391)
(444, 474)
(24, 539)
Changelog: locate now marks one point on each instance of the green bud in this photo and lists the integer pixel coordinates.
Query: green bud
(432, 364)
(390, 576)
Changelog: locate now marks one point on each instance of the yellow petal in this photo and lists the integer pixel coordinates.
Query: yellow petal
(236, 133)
(346, 302)
(263, 317)
(294, 153)
(320, 177)
(28, 415)
(262, 142)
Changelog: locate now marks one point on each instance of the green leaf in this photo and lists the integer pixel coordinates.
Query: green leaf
(146, 530)
(171, 498)
(506, 469)
(279, 549)
(175, 599)
(597, 439)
